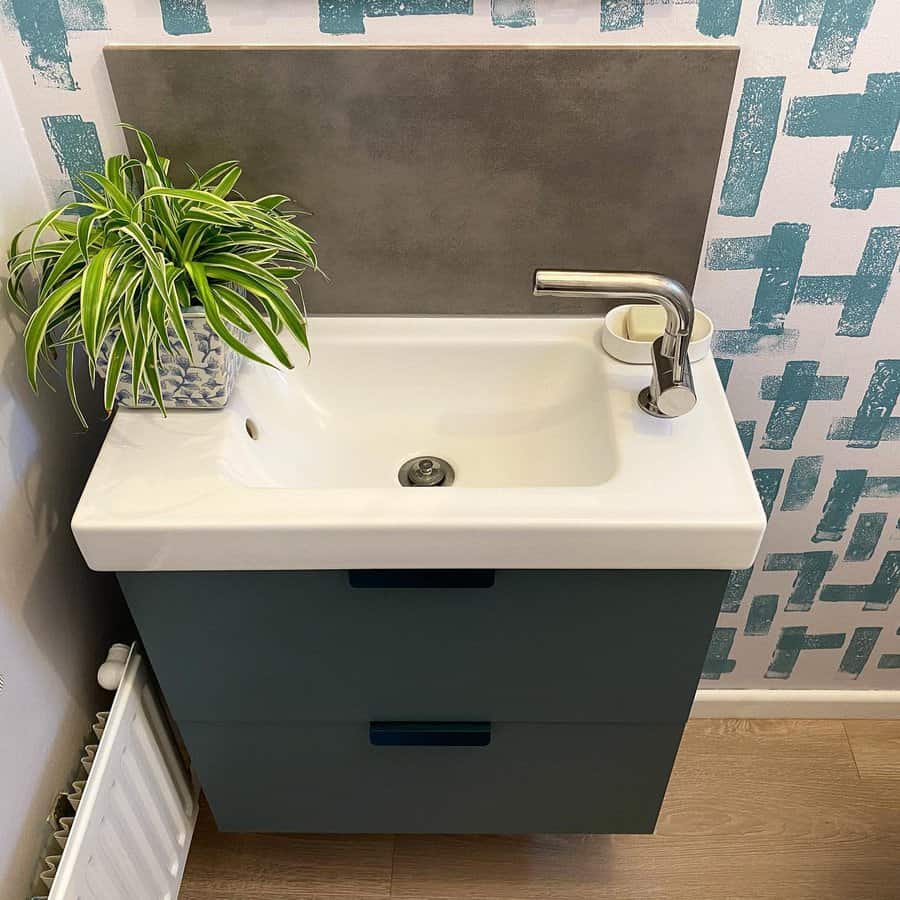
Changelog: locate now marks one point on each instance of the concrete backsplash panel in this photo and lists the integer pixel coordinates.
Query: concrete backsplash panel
(439, 179)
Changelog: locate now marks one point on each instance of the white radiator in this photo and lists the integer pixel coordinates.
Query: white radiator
(134, 813)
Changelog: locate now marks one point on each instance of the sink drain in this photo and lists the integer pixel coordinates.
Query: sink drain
(426, 471)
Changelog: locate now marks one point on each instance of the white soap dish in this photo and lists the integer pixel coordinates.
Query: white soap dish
(616, 344)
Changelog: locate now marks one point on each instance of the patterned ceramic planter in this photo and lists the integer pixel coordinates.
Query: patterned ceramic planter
(199, 378)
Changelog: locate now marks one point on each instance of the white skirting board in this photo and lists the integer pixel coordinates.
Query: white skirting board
(761, 704)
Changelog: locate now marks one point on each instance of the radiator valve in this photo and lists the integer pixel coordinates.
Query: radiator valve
(110, 673)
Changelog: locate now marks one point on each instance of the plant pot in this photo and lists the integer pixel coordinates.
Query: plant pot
(201, 377)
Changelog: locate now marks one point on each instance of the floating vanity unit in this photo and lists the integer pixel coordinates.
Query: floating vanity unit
(515, 652)
(451, 576)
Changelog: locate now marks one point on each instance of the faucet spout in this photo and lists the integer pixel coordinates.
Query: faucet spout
(671, 390)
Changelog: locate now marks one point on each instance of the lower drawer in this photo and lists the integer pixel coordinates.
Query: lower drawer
(601, 778)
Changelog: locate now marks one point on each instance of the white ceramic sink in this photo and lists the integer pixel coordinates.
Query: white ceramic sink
(556, 467)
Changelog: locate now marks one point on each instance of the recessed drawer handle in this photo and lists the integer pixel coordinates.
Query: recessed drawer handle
(422, 578)
(429, 734)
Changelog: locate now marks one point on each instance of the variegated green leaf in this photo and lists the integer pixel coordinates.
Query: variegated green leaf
(35, 335)
(70, 384)
(197, 273)
(231, 298)
(114, 366)
(96, 282)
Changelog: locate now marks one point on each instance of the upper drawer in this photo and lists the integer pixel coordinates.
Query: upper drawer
(336, 646)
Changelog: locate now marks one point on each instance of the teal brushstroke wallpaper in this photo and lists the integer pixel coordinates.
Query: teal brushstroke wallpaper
(799, 269)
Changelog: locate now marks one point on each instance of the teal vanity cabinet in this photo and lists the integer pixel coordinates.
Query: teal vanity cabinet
(429, 701)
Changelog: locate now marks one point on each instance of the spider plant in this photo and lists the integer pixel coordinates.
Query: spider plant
(127, 257)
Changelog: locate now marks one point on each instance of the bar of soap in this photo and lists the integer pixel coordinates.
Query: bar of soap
(645, 323)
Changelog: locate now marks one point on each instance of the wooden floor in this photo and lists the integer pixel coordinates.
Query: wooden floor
(757, 809)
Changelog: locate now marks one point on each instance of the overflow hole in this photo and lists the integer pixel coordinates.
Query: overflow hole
(252, 429)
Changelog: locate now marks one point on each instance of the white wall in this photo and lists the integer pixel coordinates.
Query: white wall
(55, 615)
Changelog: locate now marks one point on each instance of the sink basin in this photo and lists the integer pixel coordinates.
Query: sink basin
(508, 410)
(555, 465)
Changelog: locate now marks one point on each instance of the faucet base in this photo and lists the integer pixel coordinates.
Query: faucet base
(684, 401)
(648, 406)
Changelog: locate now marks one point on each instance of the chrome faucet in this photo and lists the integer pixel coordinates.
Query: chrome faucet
(671, 389)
